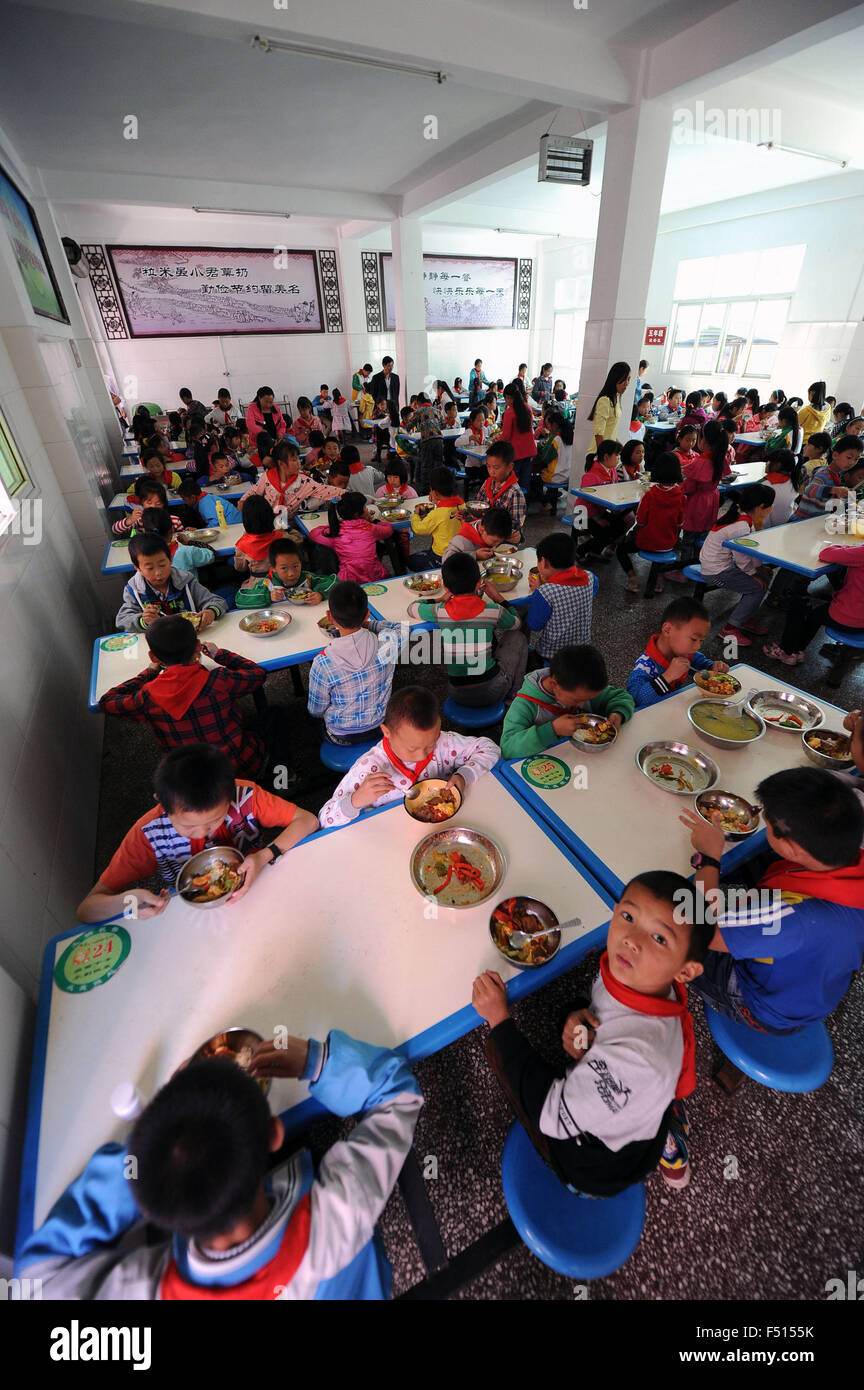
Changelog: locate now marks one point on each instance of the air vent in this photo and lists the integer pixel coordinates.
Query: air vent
(565, 159)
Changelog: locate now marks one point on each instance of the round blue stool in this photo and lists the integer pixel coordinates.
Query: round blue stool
(339, 757)
(473, 716)
(582, 1237)
(658, 557)
(788, 1062)
(846, 639)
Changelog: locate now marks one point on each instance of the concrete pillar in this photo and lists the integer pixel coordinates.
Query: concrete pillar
(637, 148)
(412, 353)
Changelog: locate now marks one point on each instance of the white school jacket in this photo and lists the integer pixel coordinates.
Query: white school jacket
(470, 757)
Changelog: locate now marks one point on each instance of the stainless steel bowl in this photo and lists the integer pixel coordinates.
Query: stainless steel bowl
(298, 595)
(590, 721)
(773, 704)
(422, 791)
(832, 761)
(716, 800)
(427, 577)
(504, 573)
(546, 918)
(693, 765)
(733, 707)
(236, 1045)
(505, 548)
(487, 856)
(270, 615)
(398, 514)
(700, 677)
(203, 537)
(199, 864)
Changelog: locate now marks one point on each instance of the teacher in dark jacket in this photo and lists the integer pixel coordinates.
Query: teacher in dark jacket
(386, 383)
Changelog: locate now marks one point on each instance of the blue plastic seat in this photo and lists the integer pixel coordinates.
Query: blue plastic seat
(473, 716)
(339, 757)
(658, 557)
(581, 1237)
(846, 639)
(788, 1062)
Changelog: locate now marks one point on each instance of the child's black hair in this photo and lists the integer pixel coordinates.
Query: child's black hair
(157, 520)
(201, 1149)
(395, 468)
(406, 412)
(284, 546)
(666, 469)
(149, 454)
(348, 507)
(683, 610)
(413, 704)
(498, 522)
(608, 448)
(716, 443)
(263, 444)
(348, 603)
(147, 486)
(629, 450)
(460, 573)
(283, 448)
(147, 543)
(304, 403)
(746, 500)
(846, 441)
(815, 809)
(441, 480)
(558, 549)
(786, 415)
(694, 400)
(845, 409)
(501, 449)
(316, 439)
(188, 512)
(579, 668)
(259, 519)
(674, 889)
(172, 639)
(195, 777)
(341, 468)
(784, 461)
(350, 454)
(721, 397)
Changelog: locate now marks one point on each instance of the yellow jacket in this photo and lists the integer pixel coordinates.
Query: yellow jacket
(812, 421)
(442, 524)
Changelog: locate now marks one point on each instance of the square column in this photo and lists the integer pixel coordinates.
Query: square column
(412, 349)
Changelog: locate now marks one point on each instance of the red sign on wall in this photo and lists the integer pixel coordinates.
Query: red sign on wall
(655, 337)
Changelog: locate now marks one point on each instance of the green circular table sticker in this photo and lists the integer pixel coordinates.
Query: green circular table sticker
(374, 589)
(115, 545)
(118, 641)
(754, 544)
(91, 959)
(549, 773)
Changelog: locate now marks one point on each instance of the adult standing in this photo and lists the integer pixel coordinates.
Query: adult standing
(643, 365)
(517, 426)
(605, 413)
(431, 450)
(385, 386)
(264, 414)
(541, 388)
(477, 379)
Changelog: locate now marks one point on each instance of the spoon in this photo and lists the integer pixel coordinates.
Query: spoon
(519, 938)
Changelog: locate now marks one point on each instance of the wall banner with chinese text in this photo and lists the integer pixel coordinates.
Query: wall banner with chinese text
(460, 291)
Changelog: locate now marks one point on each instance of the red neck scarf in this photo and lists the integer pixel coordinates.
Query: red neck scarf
(545, 704)
(572, 578)
(356, 467)
(472, 534)
(660, 1008)
(463, 606)
(844, 886)
(260, 1286)
(450, 502)
(414, 774)
(177, 688)
(258, 547)
(275, 480)
(777, 478)
(723, 523)
(492, 496)
(395, 491)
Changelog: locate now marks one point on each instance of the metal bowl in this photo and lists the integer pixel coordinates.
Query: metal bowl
(422, 792)
(426, 577)
(834, 762)
(235, 1044)
(482, 851)
(477, 508)
(199, 863)
(423, 509)
(398, 514)
(194, 618)
(298, 595)
(202, 537)
(700, 677)
(716, 800)
(270, 615)
(716, 706)
(591, 721)
(771, 704)
(387, 504)
(546, 918)
(327, 625)
(504, 573)
(506, 548)
(695, 766)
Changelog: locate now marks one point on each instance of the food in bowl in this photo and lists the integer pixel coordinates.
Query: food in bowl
(327, 625)
(830, 744)
(525, 915)
(424, 584)
(663, 771)
(725, 723)
(717, 683)
(594, 731)
(216, 882)
(440, 806)
(193, 618)
(263, 626)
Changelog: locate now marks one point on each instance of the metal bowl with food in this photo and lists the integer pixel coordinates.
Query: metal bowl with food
(432, 801)
(194, 618)
(717, 685)
(477, 508)
(780, 709)
(677, 768)
(738, 818)
(398, 514)
(423, 509)
(235, 1045)
(505, 548)
(593, 734)
(427, 584)
(264, 622)
(206, 536)
(504, 573)
(387, 504)
(326, 624)
(457, 867)
(299, 595)
(526, 915)
(725, 724)
(209, 876)
(828, 748)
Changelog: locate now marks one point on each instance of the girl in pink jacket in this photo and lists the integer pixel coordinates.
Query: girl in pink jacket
(353, 538)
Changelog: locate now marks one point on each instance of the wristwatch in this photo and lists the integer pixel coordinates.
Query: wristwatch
(703, 861)
(275, 851)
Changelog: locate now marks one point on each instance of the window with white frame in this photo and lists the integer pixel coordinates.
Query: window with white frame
(570, 314)
(729, 312)
(13, 475)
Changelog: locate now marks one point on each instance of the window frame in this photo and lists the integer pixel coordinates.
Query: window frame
(10, 501)
(727, 301)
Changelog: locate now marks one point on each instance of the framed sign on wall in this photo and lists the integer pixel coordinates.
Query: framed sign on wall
(460, 291)
(194, 291)
(29, 251)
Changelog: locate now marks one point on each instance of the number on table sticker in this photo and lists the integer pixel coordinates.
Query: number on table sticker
(97, 950)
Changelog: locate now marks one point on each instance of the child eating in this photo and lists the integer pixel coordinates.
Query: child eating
(442, 523)
(485, 649)
(501, 488)
(157, 588)
(353, 538)
(547, 707)
(350, 680)
(603, 1124)
(559, 613)
(479, 539)
(287, 573)
(672, 653)
(199, 802)
(413, 747)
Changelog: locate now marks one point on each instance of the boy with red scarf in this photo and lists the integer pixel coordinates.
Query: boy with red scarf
(559, 613)
(501, 488)
(479, 539)
(672, 654)
(485, 649)
(413, 747)
(548, 706)
(783, 966)
(442, 523)
(605, 1123)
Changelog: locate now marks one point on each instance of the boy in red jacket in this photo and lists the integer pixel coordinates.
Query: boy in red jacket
(658, 518)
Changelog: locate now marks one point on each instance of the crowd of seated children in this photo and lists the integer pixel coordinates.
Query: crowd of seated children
(413, 746)
(485, 649)
(145, 493)
(353, 538)
(442, 523)
(350, 680)
(200, 801)
(153, 464)
(672, 654)
(157, 588)
(562, 598)
(550, 700)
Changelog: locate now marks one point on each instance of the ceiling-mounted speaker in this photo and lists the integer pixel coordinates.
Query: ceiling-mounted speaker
(76, 258)
(565, 159)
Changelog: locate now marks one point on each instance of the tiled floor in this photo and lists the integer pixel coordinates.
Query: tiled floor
(791, 1218)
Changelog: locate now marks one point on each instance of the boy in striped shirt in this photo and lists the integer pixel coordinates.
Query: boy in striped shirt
(486, 650)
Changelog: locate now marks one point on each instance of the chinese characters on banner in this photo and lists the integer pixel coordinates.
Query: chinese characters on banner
(655, 337)
(460, 291)
(193, 290)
